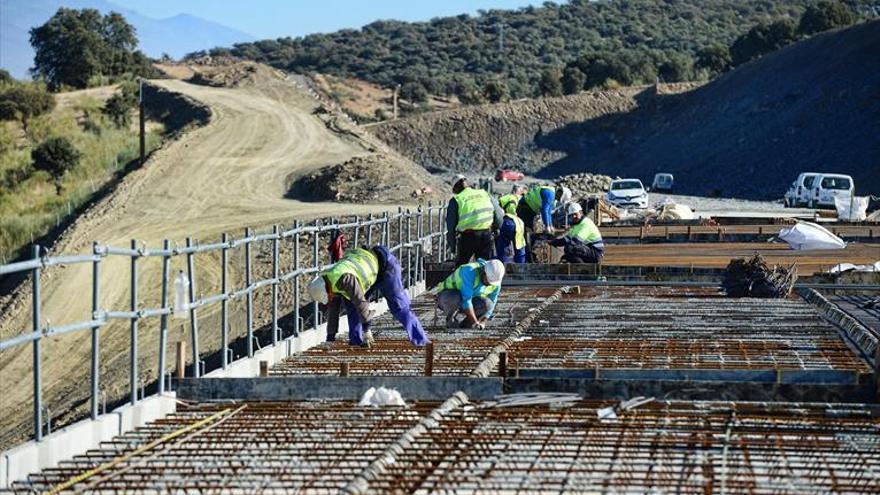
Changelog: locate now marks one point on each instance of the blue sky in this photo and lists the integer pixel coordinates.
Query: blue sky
(279, 18)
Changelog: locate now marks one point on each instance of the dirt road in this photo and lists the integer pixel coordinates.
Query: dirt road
(224, 176)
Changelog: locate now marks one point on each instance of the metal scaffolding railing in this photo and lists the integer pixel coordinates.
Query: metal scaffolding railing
(419, 234)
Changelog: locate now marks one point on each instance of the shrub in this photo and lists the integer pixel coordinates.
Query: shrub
(56, 156)
(23, 102)
(825, 15)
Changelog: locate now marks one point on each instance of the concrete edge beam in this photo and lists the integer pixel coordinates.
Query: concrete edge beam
(20, 461)
(310, 387)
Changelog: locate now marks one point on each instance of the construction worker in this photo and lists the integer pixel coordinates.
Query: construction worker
(510, 245)
(472, 216)
(471, 289)
(583, 242)
(352, 281)
(540, 200)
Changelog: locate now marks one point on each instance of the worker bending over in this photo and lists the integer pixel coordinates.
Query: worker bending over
(472, 289)
(510, 245)
(541, 200)
(472, 216)
(352, 281)
(583, 242)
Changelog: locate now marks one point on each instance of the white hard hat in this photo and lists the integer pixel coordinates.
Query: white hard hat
(574, 208)
(318, 289)
(494, 270)
(566, 195)
(458, 178)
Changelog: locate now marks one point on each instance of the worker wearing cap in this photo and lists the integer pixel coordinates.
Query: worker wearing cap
(472, 289)
(540, 200)
(510, 245)
(583, 242)
(352, 281)
(472, 216)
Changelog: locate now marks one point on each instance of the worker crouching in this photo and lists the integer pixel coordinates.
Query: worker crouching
(583, 242)
(472, 289)
(352, 281)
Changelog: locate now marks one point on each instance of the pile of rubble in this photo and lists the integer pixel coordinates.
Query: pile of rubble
(369, 178)
(755, 278)
(584, 184)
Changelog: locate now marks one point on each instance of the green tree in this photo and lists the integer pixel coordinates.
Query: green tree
(23, 102)
(825, 15)
(677, 68)
(496, 91)
(6, 78)
(551, 82)
(76, 46)
(573, 80)
(467, 92)
(715, 58)
(56, 156)
(763, 39)
(414, 92)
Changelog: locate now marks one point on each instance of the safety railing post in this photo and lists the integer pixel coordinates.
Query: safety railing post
(163, 320)
(409, 250)
(249, 296)
(430, 214)
(224, 303)
(386, 230)
(133, 352)
(193, 316)
(441, 227)
(357, 231)
(316, 258)
(419, 239)
(296, 327)
(275, 328)
(370, 230)
(96, 338)
(38, 372)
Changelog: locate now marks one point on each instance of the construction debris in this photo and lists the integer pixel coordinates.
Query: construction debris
(755, 278)
(584, 184)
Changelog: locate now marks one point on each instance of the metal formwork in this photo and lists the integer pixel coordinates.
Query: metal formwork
(510, 446)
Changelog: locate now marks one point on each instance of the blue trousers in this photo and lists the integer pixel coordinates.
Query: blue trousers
(390, 284)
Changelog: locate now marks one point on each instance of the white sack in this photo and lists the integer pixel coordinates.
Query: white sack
(806, 235)
(859, 208)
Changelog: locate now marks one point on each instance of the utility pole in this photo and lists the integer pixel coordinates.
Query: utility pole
(141, 118)
(500, 37)
(394, 99)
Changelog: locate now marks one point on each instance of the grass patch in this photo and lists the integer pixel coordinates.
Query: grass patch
(30, 208)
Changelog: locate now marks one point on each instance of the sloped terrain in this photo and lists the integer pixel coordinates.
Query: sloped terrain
(814, 105)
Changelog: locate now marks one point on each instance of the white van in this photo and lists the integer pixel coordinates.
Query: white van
(828, 186)
(798, 193)
(662, 182)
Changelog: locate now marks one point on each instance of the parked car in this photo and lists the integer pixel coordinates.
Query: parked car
(828, 186)
(798, 193)
(508, 175)
(627, 193)
(662, 182)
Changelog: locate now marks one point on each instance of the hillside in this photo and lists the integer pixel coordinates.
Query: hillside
(811, 106)
(176, 35)
(449, 55)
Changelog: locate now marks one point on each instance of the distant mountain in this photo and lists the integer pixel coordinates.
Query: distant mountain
(175, 36)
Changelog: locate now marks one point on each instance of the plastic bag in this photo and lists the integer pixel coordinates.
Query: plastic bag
(381, 397)
(806, 235)
(859, 205)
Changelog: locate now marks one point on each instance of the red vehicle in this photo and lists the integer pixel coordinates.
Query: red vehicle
(507, 175)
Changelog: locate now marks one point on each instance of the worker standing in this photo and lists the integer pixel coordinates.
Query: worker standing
(472, 216)
(352, 281)
(540, 200)
(510, 245)
(471, 289)
(583, 242)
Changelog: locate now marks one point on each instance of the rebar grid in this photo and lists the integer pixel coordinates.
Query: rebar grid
(614, 328)
(457, 351)
(664, 447)
(266, 447)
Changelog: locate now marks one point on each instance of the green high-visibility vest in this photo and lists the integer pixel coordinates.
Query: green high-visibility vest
(585, 231)
(454, 281)
(361, 263)
(519, 240)
(508, 202)
(533, 197)
(475, 210)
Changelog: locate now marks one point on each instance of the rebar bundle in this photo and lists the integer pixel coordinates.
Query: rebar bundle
(755, 278)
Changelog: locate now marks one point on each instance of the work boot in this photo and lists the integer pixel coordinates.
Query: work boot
(369, 339)
(450, 320)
